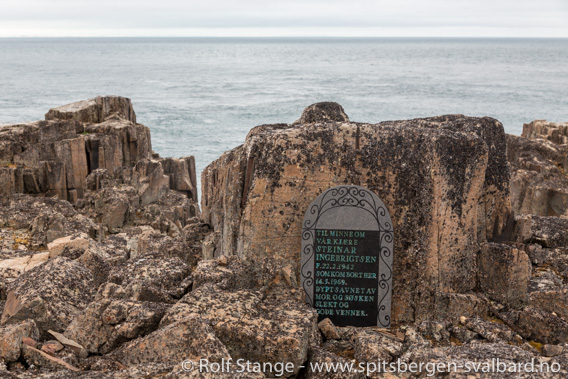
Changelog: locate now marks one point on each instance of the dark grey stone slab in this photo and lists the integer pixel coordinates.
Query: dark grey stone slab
(347, 252)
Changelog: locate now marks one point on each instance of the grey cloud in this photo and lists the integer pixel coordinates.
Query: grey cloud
(144, 14)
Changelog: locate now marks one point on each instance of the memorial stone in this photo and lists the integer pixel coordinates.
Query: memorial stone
(346, 259)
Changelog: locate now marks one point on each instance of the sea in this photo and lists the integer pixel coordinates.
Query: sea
(201, 96)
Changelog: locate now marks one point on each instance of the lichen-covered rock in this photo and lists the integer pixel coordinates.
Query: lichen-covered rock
(74, 242)
(539, 160)
(11, 337)
(190, 338)
(492, 330)
(55, 156)
(551, 301)
(256, 315)
(52, 294)
(444, 181)
(548, 232)
(324, 364)
(538, 325)
(373, 347)
(41, 359)
(254, 326)
(495, 204)
(475, 360)
(322, 112)
(504, 274)
(91, 145)
(154, 242)
(236, 274)
(46, 219)
(452, 306)
(12, 268)
(153, 278)
(105, 324)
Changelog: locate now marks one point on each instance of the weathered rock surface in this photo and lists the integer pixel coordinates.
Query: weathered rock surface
(443, 179)
(153, 278)
(52, 294)
(11, 337)
(504, 274)
(328, 329)
(45, 219)
(548, 232)
(551, 131)
(41, 359)
(106, 324)
(78, 243)
(321, 112)
(539, 161)
(256, 324)
(324, 365)
(190, 338)
(95, 110)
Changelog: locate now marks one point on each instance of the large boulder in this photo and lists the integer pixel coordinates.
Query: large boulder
(107, 323)
(187, 339)
(153, 278)
(52, 294)
(256, 316)
(255, 327)
(444, 181)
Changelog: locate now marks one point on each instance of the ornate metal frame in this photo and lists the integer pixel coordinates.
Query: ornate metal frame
(358, 197)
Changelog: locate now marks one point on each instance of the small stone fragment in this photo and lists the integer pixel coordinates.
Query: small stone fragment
(74, 346)
(44, 360)
(222, 260)
(328, 329)
(29, 341)
(52, 347)
(552, 350)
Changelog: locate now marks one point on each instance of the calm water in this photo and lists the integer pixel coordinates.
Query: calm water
(201, 96)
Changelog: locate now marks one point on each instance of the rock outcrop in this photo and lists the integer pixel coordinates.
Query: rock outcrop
(445, 181)
(108, 271)
(55, 156)
(539, 161)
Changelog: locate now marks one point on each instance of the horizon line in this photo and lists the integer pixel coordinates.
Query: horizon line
(284, 36)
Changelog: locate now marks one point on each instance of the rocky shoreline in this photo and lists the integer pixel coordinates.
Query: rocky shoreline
(110, 268)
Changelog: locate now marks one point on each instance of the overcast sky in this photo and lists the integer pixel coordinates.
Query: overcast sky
(483, 18)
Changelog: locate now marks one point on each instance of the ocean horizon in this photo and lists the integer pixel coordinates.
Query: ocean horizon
(201, 95)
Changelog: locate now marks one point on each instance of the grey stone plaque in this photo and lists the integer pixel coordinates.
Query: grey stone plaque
(347, 252)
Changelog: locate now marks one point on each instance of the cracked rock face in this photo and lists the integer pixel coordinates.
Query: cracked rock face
(539, 161)
(444, 181)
